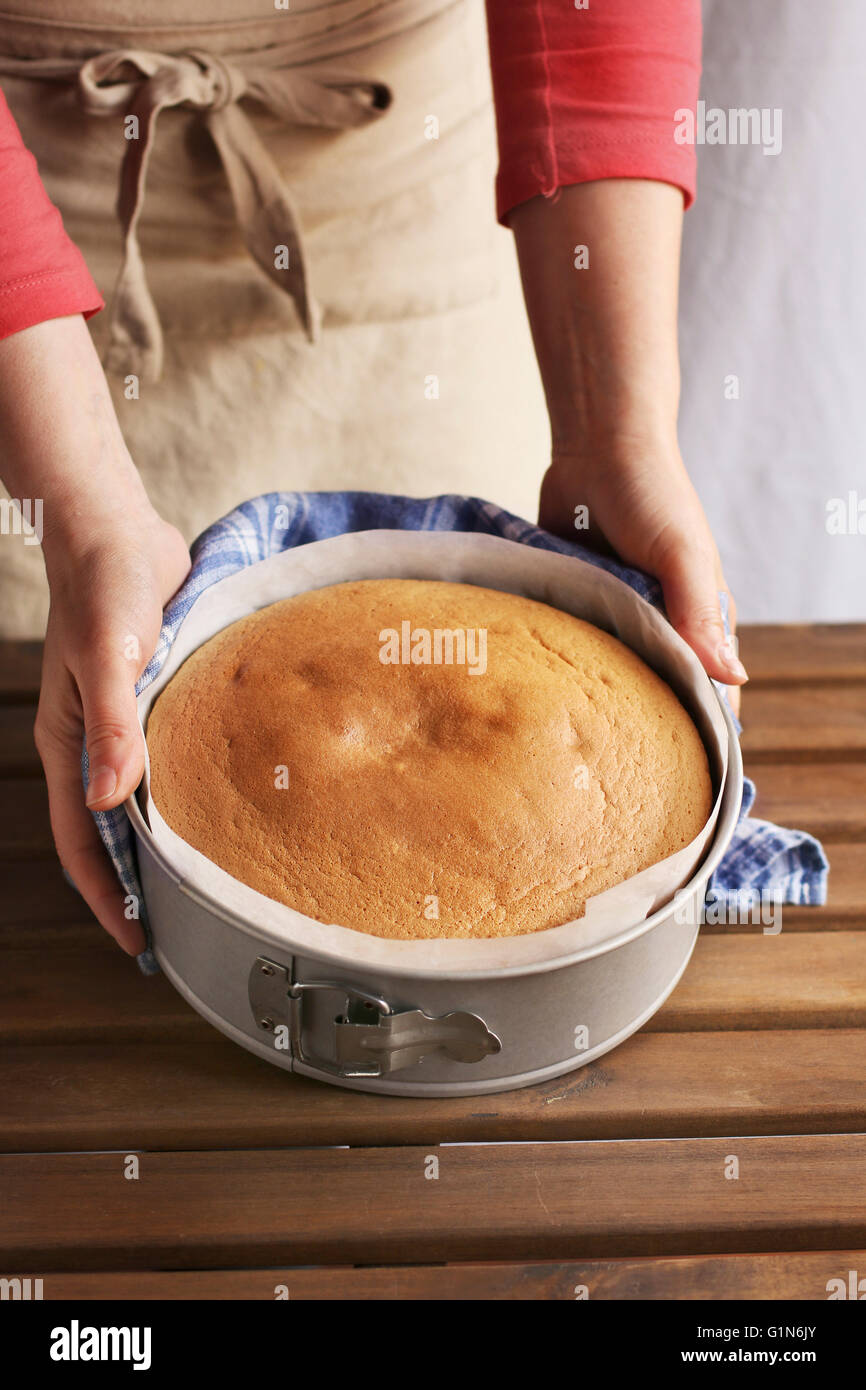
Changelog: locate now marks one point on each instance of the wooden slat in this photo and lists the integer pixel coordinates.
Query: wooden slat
(508, 1201)
(20, 669)
(846, 894)
(38, 908)
(826, 798)
(805, 709)
(804, 651)
(791, 1275)
(37, 903)
(829, 651)
(179, 1094)
(81, 993)
(18, 755)
(792, 722)
(802, 980)
(42, 936)
(25, 828)
(803, 722)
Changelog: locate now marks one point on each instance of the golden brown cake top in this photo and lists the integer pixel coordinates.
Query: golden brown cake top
(412, 758)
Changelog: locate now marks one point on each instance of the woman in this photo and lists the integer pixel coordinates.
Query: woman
(376, 118)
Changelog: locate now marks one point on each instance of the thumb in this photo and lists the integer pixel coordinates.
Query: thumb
(690, 583)
(115, 748)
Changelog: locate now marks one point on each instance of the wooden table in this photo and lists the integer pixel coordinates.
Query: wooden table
(612, 1178)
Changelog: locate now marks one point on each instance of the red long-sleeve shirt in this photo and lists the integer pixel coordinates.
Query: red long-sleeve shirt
(591, 93)
(42, 273)
(580, 94)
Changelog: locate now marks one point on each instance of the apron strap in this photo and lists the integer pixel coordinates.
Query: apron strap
(141, 83)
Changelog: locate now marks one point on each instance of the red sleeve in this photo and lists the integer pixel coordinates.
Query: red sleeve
(42, 273)
(591, 93)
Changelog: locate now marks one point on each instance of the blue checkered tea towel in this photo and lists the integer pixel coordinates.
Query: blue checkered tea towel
(764, 858)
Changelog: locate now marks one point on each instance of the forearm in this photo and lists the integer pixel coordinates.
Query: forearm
(605, 334)
(60, 440)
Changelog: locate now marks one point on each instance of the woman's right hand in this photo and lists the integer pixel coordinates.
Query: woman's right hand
(108, 589)
(112, 565)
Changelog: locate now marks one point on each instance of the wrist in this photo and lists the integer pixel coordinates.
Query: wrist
(604, 387)
(576, 434)
(85, 519)
(613, 441)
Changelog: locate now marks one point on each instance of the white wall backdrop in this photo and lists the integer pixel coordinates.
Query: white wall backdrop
(774, 293)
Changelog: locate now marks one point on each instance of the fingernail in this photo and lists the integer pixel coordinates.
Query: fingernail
(103, 781)
(728, 657)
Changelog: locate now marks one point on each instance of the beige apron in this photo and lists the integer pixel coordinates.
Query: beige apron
(352, 140)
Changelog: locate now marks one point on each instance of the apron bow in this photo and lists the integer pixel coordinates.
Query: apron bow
(137, 83)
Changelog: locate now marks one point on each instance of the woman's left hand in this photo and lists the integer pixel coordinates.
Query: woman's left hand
(641, 506)
(600, 269)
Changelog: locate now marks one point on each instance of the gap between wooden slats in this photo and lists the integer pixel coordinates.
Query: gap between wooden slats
(786, 1275)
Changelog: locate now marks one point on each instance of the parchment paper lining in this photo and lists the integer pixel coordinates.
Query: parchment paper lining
(491, 561)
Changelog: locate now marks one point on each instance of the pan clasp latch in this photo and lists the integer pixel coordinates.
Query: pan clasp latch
(371, 1037)
(400, 1039)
